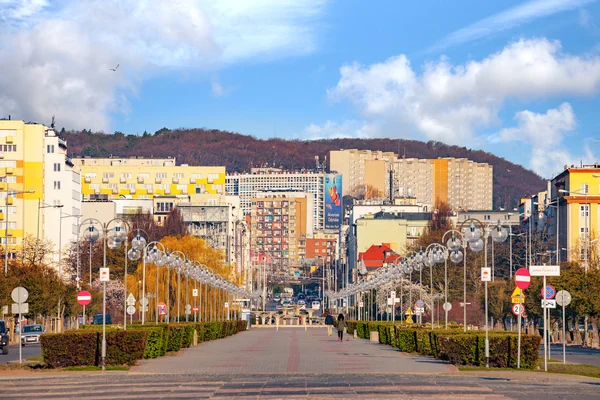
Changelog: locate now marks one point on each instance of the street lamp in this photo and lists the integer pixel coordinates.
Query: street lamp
(9, 202)
(111, 237)
(41, 205)
(435, 254)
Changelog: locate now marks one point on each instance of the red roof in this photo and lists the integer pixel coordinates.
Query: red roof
(376, 255)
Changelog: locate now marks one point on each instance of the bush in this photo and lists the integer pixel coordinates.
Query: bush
(351, 327)
(124, 347)
(71, 348)
(187, 338)
(454, 345)
(174, 337)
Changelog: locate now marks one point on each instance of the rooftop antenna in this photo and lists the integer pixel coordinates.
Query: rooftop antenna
(52, 124)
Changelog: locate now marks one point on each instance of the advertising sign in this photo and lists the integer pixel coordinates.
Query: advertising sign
(333, 201)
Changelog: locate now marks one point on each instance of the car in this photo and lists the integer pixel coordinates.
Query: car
(98, 319)
(286, 302)
(301, 302)
(30, 334)
(4, 339)
(315, 305)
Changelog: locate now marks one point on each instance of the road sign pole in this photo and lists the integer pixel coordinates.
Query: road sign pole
(103, 325)
(519, 334)
(545, 329)
(563, 337)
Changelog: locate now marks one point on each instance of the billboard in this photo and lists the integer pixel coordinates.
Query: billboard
(333, 201)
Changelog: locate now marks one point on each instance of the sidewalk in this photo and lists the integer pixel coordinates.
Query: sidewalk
(291, 350)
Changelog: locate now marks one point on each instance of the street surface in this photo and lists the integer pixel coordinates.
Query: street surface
(574, 354)
(296, 364)
(32, 350)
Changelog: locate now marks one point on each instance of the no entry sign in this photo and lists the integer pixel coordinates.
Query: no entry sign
(522, 278)
(84, 297)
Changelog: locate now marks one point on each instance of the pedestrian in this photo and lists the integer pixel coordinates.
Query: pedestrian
(341, 325)
(329, 323)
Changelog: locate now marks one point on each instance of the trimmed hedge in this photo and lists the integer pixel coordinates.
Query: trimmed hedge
(83, 347)
(453, 344)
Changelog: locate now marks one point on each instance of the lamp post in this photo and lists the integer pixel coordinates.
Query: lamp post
(9, 202)
(41, 205)
(435, 254)
(453, 245)
(62, 215)
(111, 237)
(151, 254)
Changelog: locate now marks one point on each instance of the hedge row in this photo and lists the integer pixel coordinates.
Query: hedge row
(83, 347)
(453, 344)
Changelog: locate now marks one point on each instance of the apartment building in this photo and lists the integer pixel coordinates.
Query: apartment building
(573, 203)
(279, 225)
(462, 183)
(143, 178)
(34, 158)
(364, 172)
(318, 185)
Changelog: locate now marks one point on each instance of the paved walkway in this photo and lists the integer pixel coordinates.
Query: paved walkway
(291, 350)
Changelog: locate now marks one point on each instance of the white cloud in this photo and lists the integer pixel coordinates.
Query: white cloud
(450, 102)
(218, 89)
(545, 134)
(508, 19)
(57, 58)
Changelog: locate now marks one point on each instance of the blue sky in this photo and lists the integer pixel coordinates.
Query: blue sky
(519, 79)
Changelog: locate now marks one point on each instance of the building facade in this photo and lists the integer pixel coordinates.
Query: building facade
(249, 186)
(137, 178)
(573, 207)
(461, 183)
(33, 158)
(279, 226)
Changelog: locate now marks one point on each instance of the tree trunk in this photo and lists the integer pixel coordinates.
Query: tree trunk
(594, 333)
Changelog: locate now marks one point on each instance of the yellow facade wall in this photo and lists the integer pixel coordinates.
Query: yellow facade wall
(375, 173)
(576, 178)
(175, 180)
(440, 177)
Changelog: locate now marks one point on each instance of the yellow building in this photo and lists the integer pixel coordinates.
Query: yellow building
(400, 230)
(21, 170)
(577, 192)
(146, 178)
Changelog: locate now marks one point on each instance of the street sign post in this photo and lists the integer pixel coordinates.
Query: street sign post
(131, 300)
(130, 310)
(545, 271)
(522, 280)
(194, 292)
(447, 306)
(548, 303)
(563, 298)
(518, 309)
(20, 296)
(84, 298)
(104, 274)
(517, 296)
(486, 274)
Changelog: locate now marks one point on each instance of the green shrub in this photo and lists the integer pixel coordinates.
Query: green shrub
(351, 327)
(124, 347)
(70, 348)
(174, 337)
(406, 339)
(188, 335)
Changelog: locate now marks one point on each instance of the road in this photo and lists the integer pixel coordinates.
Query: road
(31, 350)
(574, 354)
(294, 363)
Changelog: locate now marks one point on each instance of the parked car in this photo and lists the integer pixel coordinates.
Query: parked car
(315, 305)
(301, 302)
(3, 337)
(30, 334)
(98, 319)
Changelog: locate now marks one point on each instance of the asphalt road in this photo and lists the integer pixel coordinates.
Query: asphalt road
(574, 354)
(31, 350)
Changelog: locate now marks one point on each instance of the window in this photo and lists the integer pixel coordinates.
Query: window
(8, 147)
(108, 175)
(584, 210)
(56, 167)
(50, 148)
(56, 185)
(583, 188)
(161, 175)
(125, 175)
(164, 207)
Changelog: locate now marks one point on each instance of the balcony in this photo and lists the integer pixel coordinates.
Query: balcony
(87, 179)
(158, 180)
(9, 139)
(123, 180)
(140, 179)
(115, 191)
(9, 171)
(104, 180)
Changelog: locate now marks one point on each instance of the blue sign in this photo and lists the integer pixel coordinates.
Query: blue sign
(333, 201)
(420, 303)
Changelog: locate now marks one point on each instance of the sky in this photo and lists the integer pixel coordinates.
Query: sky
(520, 79)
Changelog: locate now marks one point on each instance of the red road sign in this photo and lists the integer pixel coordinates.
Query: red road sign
(195, 308)
(162, 308)
(518, 309)
(550, 292)
(522, 278)
(84, 297)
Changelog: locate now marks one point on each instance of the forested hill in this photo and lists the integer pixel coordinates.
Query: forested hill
(241, 152)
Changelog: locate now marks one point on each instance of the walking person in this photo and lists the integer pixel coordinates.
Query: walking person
(341, 325)
(329, 323)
